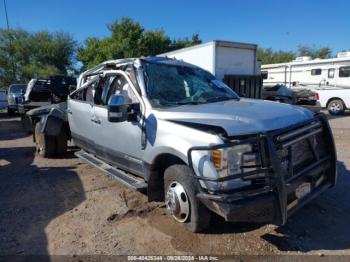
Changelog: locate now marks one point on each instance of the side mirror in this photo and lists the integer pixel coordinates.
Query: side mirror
(119, 110)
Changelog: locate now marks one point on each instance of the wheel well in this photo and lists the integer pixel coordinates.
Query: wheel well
(335, 98)
(155, 189)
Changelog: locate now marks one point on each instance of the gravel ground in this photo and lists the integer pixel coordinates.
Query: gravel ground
(63, 206)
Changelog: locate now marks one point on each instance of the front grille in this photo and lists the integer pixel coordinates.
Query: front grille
(299, 148)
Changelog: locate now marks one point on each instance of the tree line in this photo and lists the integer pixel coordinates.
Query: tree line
(269, 56)
(25, 54)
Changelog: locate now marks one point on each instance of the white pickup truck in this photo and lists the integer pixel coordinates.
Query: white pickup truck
(336, 100)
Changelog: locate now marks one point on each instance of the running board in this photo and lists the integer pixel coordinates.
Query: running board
(127, 179)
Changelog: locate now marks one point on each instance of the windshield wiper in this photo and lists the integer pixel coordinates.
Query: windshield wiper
(189, 103)
(183, 103)
(220, 98)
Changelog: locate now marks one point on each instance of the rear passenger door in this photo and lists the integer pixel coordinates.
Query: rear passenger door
(80, 112)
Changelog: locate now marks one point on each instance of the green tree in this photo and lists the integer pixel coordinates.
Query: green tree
(268, 56)
(129, 38)
(322, 52)
(24, 55)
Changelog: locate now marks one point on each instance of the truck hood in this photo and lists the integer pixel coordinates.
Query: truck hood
(246, 116)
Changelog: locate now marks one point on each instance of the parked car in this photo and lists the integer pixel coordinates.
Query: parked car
(3, 99)
(41, 92)
(14, 97)
(294, 96)
(280, 93)
(173, 130)
(336, 100)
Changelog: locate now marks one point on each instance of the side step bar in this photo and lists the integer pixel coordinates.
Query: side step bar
(127, 179)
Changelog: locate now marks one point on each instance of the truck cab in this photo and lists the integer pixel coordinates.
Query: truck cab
(14, 97)
(174, 131)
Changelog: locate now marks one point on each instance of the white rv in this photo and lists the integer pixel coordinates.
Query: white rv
(311, 73)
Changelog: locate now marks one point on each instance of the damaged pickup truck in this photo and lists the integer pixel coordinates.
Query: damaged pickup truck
(173, 130)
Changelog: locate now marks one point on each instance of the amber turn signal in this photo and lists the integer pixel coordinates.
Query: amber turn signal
(216, 157)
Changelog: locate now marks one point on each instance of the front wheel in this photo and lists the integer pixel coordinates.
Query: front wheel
(336, 107)
(180, 198)
(26, 124)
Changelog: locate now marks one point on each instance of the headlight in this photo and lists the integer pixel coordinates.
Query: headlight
(236, 160)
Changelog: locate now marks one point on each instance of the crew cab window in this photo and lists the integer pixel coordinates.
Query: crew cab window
(344, 71)
(98, 92)
(120, 86)
(316, 71)
(85, 94)
(331, 73)
(89, 94)
(107, 83)
(78, 95)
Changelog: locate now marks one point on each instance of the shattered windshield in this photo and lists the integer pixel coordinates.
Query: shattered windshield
(172, 85)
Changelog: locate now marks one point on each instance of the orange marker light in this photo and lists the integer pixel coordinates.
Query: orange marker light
(216, 158)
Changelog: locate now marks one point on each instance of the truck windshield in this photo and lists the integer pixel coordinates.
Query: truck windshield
(173, 85)
(17, 88)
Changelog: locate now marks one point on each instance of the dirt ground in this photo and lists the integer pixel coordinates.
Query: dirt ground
(63, 206)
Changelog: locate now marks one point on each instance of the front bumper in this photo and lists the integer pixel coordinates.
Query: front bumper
(276, 200)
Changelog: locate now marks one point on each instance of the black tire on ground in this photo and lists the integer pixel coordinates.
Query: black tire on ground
(45, 145)
(336, 107)
(26, 124)
(199, 216)
(10, 111)
(61, 142)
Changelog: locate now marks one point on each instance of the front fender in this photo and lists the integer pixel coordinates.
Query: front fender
(51, 124)
(176, 139)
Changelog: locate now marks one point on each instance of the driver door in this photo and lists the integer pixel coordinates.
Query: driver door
(118, 143)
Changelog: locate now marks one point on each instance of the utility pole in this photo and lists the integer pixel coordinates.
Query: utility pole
(7, 18)
(10, 39)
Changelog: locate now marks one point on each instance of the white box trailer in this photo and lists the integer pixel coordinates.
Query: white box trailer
(234, 63)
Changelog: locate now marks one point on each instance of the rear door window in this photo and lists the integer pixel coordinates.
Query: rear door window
(105, 90)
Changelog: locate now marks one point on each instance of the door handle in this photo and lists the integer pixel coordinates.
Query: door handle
(69, 111)
(96, 121)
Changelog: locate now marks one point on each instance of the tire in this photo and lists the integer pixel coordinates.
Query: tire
(61, 142)
(26, 124)
(45, 145)
(336, 107)
(10, 112)
(178, 178)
